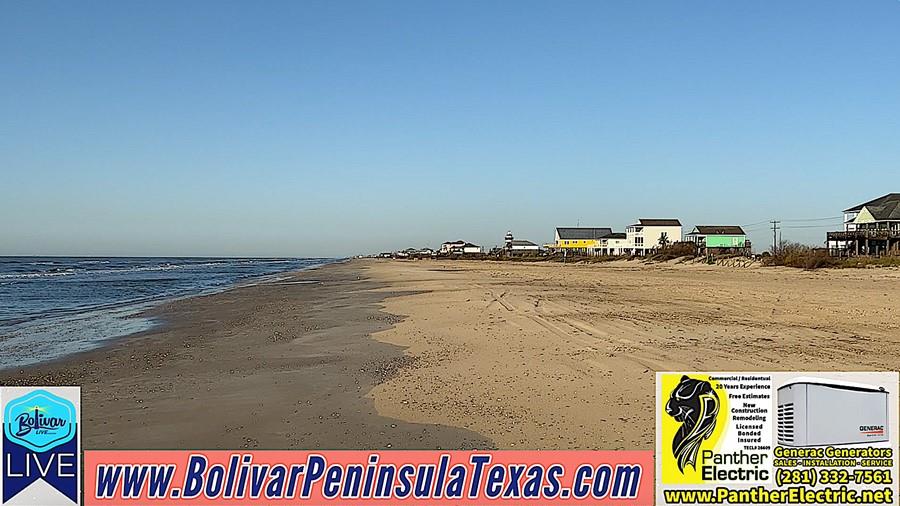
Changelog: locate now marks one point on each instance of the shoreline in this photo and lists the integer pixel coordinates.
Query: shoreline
(284, 364)
(146, 314)
(376, 354)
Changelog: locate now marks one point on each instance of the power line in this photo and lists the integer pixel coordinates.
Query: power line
(775, 236)
(827, 225)
(793, 220)
(818, 219)
(777, 226)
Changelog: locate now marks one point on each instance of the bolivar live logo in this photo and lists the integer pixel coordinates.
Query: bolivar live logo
(41, 446)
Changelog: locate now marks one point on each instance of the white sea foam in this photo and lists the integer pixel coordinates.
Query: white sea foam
(74, 305)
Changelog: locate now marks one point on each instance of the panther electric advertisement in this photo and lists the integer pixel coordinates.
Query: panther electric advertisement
(776, 438)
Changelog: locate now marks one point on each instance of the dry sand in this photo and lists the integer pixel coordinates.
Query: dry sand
(563, 356)
(427, 354)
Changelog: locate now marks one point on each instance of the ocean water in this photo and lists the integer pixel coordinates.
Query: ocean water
(54, 306)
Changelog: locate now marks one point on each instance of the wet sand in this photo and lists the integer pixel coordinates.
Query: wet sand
(273, 366)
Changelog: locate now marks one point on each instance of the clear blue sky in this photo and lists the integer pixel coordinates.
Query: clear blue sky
(333, 128)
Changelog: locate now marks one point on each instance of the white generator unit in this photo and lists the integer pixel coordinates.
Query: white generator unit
(818, 412)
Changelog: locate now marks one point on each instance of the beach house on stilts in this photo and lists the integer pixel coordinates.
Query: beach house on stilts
(870, 229)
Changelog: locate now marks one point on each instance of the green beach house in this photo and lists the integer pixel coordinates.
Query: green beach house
(719, 239)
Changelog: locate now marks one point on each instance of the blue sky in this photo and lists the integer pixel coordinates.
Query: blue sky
(335, 128)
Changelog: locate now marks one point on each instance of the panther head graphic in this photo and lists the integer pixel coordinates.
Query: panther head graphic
(695, 404)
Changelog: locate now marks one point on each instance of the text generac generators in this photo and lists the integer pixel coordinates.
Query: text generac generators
(815, 412)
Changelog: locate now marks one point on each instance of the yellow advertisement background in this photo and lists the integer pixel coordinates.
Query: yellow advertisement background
(669, 426)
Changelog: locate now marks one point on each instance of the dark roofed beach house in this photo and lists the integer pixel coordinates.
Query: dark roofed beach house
(581, 233)
(870, 228)
(459, 247)
(579, 240)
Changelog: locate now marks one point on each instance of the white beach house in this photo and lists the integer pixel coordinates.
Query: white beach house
(451, 246)
(469, 249)
(518, 246)
(648, 235)
(459, 248)
(614, 243)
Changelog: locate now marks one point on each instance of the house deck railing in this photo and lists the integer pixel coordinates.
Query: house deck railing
(863, 234)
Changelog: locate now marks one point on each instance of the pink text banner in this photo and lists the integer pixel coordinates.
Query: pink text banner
(155, 478)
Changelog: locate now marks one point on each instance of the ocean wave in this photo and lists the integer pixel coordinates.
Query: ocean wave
(92, 272)
(79, 267)
(28, 275)
(67, 312)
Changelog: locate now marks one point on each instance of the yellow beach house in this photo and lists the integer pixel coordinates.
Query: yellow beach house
(579, 240)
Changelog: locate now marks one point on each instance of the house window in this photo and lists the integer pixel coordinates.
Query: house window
(639, 241)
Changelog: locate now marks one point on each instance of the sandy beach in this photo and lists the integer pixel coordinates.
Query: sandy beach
(563, 356)
(429, 354)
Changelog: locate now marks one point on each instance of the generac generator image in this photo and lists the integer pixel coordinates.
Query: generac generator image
(818, 412)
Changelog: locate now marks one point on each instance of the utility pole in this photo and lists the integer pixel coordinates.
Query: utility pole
(774, 236)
